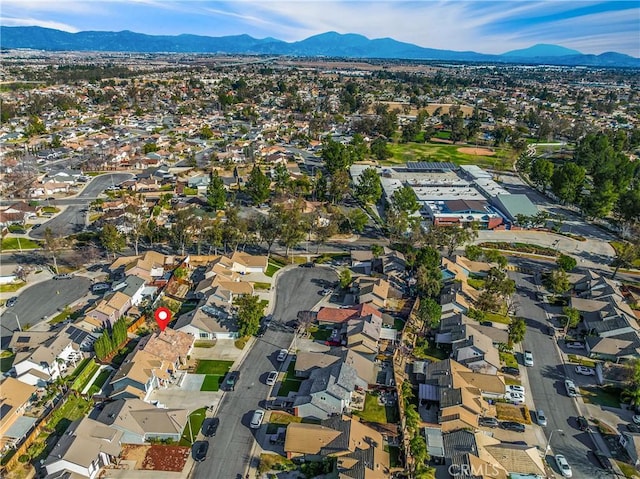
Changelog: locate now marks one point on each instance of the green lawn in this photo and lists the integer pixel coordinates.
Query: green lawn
(320, 334)
(375, 412)
(261, 285)
(74, 408)
(196, 418)
(6, 361)
(627, 469)
(601, 396)
(211, 366)
(99, 382)
(83, 378)
(50, 209)
(509, 359)
(403, 152)
(289, 385)
(581, 361)
(212, 382)
(18, 243)
(497, 318)
(272, 268)
(12, 287)
(394, 455)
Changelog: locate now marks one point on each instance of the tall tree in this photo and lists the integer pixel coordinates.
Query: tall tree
(339, 185)
(281, 177)
(404, 200)
(567, 182)
(216, 192)
(517, 331)
(52, 243)
(112, 240)
(626, 254)
(369, 188)
(566, 262)
(429, 312)
(541, 173)
(269, 229)
(250, 311)
(257, 186)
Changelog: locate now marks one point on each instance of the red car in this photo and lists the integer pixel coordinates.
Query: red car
(332, 343)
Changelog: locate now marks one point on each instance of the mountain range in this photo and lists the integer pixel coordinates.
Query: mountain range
(330, 44)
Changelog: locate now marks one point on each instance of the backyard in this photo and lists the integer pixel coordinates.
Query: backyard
(376, 412)
(99, 382)
(84, 376)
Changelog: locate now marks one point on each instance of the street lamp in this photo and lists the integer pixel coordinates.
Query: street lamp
(546, 449)
(17, 319)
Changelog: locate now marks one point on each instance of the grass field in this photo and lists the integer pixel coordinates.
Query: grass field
(272, 268)
(210, 366)
(211, 382)
(403, 152)
(18, 243)
(375, 412)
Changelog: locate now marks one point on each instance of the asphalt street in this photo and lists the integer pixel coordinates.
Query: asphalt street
(546, 379)
(74, 217)
(230, 450)
(39, 301)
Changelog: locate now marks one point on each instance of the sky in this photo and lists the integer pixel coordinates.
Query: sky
(483, 26)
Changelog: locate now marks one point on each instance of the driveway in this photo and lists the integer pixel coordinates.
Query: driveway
(546, 380)
(231, 449)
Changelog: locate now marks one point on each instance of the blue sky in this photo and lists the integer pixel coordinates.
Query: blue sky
(484, 26)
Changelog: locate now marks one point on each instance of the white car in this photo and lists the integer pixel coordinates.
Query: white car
(514, 397)
(563, 465)
(257, 418)
(541, 418)
(575, 345)
(282, 355)
(570, 386)
(514, 388)
(528, 358)
(272, 378)
(636, 419)
(585, 371)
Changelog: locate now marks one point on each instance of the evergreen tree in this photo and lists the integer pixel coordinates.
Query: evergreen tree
(257, 186)
(216, 192)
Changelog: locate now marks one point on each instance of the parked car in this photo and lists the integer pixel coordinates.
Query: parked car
(603, 460)
(541, 419)
(582, 422)
(272, 378)
(232, 379)
(636, 419)
(528, 358)
(200, 451)
(488, 421)
(37, 225)
(574, 345)
(585, 371)
(282, 355)
(512, 426)
(63, 276)
(486, 323)
(211, 427)
(515, 388)
(11, 301)
(98, 287)
(563, 465)
(257, 418)
(511, 370)
(514, 397)
(570, 386)
(308, 265)
(326, 292)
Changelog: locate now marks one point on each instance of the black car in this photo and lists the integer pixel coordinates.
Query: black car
(308, 265)
(200, 451)
(488, 422)
(486, 323)
(232, 379)
(511, 370)
(603, 460)
(210, 428)
(583, 424)
(512, 426)
(261, 331)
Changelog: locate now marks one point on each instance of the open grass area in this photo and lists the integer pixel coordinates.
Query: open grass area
(6, 361)
(281, 419)
(99, 382)
(272, 268)
(289, 385)
(510, 412)
(196, 418)
(211, 382)
(83, 378)
(18, 243)
(581, 361)
(274, 462)
(508, 359)
(74, 408)
(212, 366)
(11, 287)
(320, 334)
(376, 412)
(602, 396)
(497, 318)
(261, 285)
(403, 152)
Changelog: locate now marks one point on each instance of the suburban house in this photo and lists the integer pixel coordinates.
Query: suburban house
(359, 450)
(477, 352)
(330, 390)
(461, 454)
(245, 263)
(307, 362)
(363, 334)
(109, 309)
(375, 291)
(336, 316)
(18, 213)
(623, 347)
(38, 365)
(170, 345)
(460, 266)
(135, 287)
(459, 403)
(141, 422)
(208, 321)
(457, 326)
(140, 373)
(150, 266)
(16, 396)
(86, 447)
(392, 263)
(362, 260)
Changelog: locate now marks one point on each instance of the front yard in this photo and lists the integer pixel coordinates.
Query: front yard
(212, 382)
(509, 359)
(196, 418)
(320, 333)
(510, 412)
(602, 396)
(212, 366)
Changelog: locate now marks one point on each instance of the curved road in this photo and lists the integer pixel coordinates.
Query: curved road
(230, 450)
(41, 300)
(73, 218)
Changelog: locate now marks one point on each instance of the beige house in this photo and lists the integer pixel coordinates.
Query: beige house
(371, 290)
(16, 396)
(109, 309)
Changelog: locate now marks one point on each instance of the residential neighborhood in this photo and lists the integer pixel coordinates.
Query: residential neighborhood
(369, 269)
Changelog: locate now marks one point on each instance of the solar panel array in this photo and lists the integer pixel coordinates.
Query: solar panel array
(77, 335)
(430, 165)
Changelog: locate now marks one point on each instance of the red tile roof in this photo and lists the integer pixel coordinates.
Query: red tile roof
(337, 315)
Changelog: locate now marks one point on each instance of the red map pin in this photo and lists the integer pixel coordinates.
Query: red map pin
(163, 316)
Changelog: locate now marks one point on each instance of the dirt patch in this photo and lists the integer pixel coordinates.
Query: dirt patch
(476, 151)
(156, 457)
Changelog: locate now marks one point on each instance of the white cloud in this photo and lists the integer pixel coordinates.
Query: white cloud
(31, 22)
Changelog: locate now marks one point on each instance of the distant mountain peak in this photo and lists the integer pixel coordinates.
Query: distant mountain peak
(542, 50)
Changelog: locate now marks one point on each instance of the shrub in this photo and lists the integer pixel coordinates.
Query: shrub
(24, 458)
